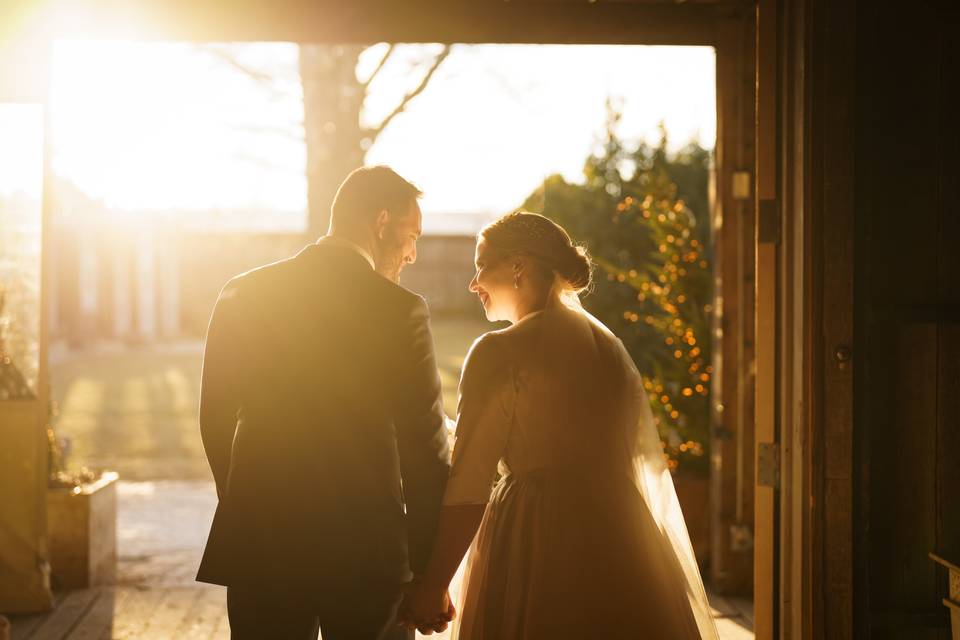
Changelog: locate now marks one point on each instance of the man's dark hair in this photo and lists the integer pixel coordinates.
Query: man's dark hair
(369, 190)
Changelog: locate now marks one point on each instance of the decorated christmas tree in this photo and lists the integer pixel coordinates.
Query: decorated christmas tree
(653, 286)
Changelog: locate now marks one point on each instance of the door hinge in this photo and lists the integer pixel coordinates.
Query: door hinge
(768, 223)
(768, 464)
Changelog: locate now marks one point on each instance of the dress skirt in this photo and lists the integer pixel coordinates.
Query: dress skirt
(572, 555)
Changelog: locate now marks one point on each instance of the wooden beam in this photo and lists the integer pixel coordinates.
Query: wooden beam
(369, 21)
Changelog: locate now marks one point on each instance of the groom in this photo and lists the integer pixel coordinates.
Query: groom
(322, 421)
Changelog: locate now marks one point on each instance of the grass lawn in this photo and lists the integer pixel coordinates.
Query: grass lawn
(135, 410)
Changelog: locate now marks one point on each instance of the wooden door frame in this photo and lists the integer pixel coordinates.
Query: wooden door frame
(805, 132)
(27, 585)
(732, 445)
(726, 25)
(830, 190)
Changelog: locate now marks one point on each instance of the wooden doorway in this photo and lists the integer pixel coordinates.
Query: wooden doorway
(726, 26)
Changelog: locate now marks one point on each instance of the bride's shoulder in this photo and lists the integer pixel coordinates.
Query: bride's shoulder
(488, 345)
(490, 350)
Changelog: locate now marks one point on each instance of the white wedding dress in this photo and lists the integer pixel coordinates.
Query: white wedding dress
(583, 536)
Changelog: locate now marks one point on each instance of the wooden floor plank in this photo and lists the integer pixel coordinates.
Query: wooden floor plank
(133, 615)
(67, 614)
(204, 618)
(745, 607)
(222, 632)
(722, 607)
(733, 629)
(170, 615)
(23, 627)
(199, 613)
(98, 623)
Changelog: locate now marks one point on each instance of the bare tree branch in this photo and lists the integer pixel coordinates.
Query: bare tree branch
(267, 164)
(382, 62)
(294, 132)
(374, 132)
(226, 56)
(266, 80)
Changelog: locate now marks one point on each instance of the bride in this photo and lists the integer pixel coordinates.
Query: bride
(582, 535)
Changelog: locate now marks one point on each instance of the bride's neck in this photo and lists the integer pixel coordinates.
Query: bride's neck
(534, 303)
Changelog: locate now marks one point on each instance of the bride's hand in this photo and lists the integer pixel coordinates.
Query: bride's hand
(425, 609)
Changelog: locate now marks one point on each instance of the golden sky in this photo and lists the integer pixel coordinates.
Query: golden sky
(159, 126)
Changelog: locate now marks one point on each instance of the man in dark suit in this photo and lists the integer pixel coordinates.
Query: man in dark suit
(322, 420)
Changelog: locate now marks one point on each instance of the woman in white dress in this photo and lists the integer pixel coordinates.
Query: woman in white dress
(582, 535)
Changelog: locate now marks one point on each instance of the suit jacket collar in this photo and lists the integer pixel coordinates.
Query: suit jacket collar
(347, 244)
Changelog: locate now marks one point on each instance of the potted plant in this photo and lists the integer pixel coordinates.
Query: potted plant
(81, 523)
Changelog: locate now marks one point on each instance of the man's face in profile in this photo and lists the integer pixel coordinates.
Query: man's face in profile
(398, 246)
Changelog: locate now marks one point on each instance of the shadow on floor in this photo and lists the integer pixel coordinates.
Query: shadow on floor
(161, 530)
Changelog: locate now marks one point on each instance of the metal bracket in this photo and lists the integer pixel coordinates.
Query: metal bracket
(740, 185)
(768, 464)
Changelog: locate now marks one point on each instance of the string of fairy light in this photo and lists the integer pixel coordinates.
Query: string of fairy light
(682, 258)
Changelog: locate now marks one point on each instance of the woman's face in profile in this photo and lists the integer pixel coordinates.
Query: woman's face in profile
(493, 284)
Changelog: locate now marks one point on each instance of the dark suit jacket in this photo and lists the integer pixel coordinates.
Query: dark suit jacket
(320, 393)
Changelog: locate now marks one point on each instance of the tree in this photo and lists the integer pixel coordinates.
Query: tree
(336, 139)
(653, 287)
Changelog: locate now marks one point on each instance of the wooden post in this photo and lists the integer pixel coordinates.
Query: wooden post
(768, 229)
(24, 580)
(832, 186)
(731, 477)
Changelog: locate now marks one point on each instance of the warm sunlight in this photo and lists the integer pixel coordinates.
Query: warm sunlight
(161, 126)
(485, 319)
(178, 166)
(177, 126)
(21, 154)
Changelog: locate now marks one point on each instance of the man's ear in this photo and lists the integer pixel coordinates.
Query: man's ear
(380, 226)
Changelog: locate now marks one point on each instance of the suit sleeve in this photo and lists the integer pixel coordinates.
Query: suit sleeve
(421, 437)
(219, 397)
(484, 419)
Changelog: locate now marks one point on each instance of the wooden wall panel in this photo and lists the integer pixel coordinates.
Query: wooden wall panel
(908, 210)
(948, 277)
(832, 34)
(948, 305)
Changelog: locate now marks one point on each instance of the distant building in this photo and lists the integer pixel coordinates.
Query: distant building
(155, 277)
(444, 266)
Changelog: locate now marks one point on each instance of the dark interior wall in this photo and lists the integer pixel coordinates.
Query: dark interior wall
(907, 315)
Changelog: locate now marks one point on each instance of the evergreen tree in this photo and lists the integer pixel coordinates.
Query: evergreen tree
(644, 216)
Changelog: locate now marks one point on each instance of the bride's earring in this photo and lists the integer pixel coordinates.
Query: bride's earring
(516, 281)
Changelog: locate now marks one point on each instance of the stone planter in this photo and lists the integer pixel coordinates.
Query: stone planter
(694, 496)
(82, 530)
(953, 590)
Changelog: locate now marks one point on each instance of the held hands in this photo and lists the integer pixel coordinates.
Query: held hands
(428, 610)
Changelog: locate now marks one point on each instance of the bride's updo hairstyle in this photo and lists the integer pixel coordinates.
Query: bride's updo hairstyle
(545, 242)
